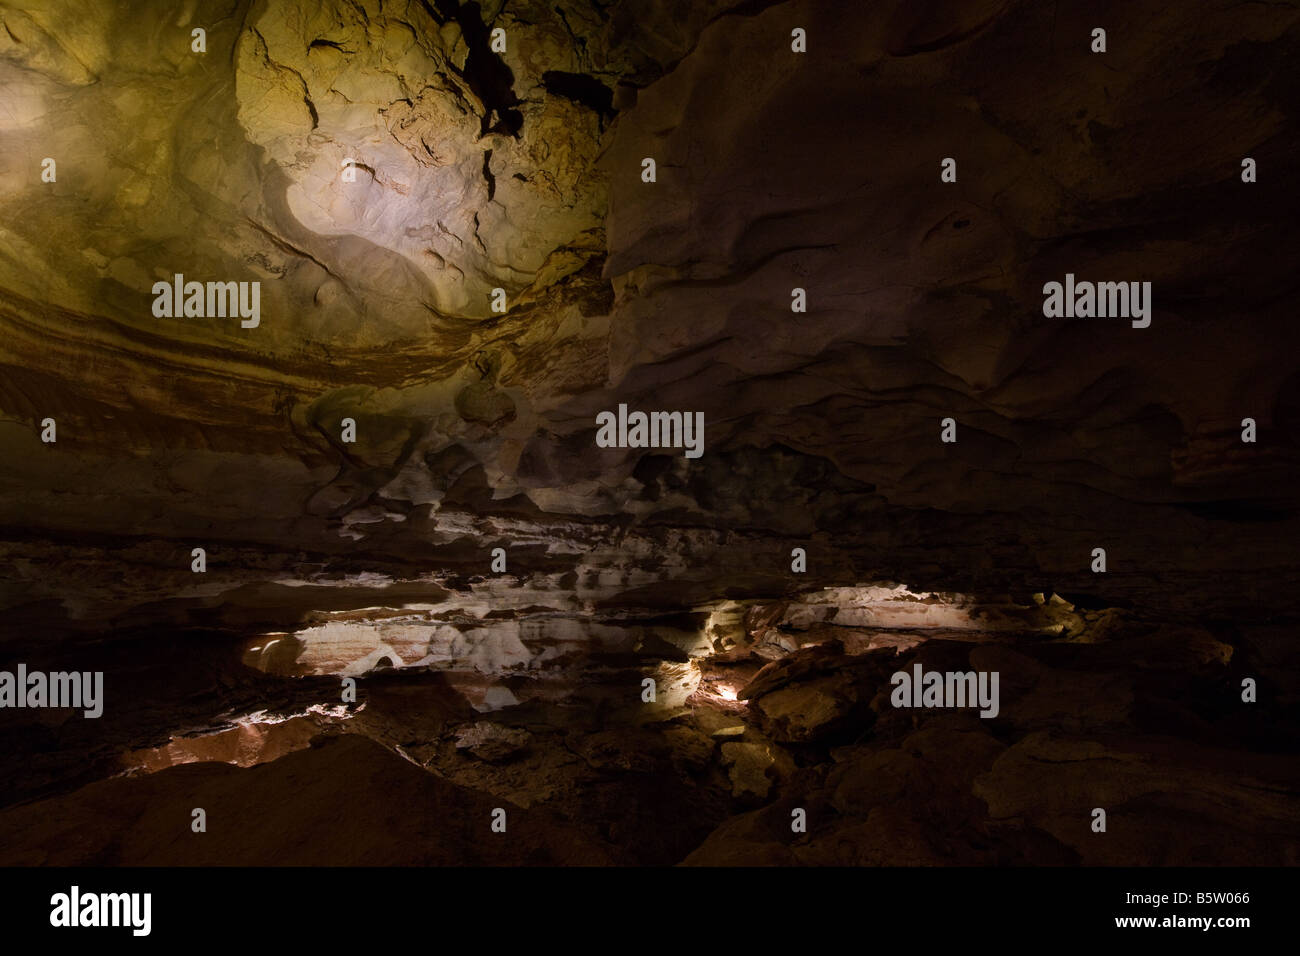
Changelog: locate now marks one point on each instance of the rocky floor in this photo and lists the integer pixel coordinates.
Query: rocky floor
(771, 712)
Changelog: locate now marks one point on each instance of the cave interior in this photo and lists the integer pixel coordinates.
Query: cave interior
(363, 579)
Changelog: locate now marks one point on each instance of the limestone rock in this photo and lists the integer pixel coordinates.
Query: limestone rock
(492, 742)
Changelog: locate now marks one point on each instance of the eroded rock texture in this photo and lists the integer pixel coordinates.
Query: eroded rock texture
(382, 169)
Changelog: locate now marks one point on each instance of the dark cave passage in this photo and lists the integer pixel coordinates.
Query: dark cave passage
(730, 433)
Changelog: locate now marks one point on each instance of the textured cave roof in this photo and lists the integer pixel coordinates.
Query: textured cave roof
(776, 170)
